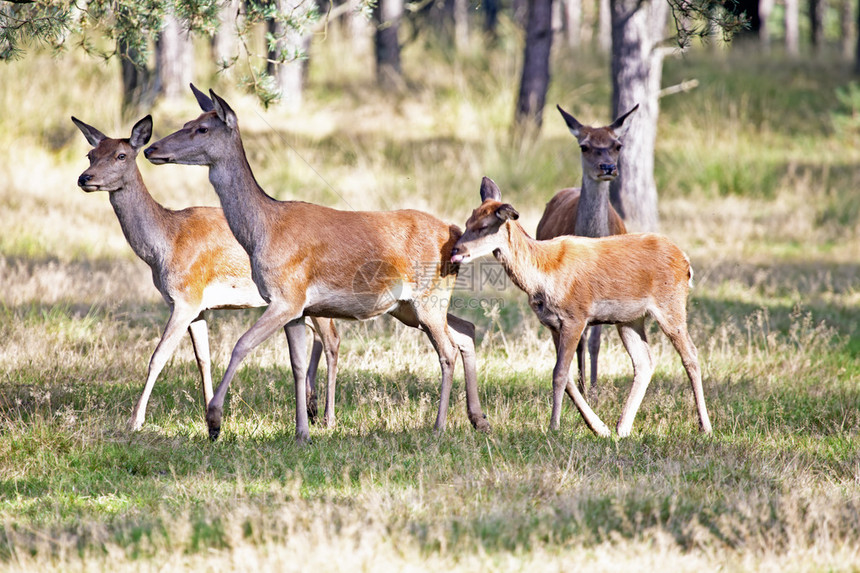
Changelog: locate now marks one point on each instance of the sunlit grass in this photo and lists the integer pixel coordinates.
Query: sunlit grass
(755, 185)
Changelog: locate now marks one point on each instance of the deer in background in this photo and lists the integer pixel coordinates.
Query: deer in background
(316, 261)
(196, 263)
(585, 211)
(576, 281)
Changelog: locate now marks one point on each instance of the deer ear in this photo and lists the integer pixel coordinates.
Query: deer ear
(94, 136)
(618, 125)
(574, 126)
(224, 111)
(489, 190)
(141, 132)
(202, 99)
(507, 211)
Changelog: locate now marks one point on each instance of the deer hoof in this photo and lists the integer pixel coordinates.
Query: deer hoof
(480, 423)
(213, 420)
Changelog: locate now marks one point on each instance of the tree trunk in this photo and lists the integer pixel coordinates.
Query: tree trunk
(534, 81)
(637, 68)
(604, 26)
(357, 29)
(491, 18)
(792, 27)
(388, 14)
(816, 24)
(293, 46)
(224, 41)
(174, 57)
(138, 84)
(572, 14)
(765, 7)
(846, 29)
(857, 51)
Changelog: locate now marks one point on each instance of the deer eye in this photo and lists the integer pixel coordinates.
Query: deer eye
(202, 130)
(121, 156)
(584, 148)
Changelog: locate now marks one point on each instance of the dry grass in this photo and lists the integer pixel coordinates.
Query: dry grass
(759, 204)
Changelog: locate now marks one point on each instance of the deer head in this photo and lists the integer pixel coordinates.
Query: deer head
(482, 235)
(112, 160)
(600, 146)
(200, 141)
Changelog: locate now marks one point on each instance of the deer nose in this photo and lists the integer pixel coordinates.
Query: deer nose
(149, 151)
(84, 179)
(608, 168)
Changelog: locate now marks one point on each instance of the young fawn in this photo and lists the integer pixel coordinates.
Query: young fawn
(574, 281)
(196, 263)
(585, 211)
(310, 260)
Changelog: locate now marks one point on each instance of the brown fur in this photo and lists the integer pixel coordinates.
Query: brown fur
(188, 251)
(310, 260)
(576, 281)
(559, 216)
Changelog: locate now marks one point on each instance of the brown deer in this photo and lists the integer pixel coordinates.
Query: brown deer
(576, 281)
(196, 263)
(585, 211)
(316, 261)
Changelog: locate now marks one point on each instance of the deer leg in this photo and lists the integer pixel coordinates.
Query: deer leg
(434, 325)
(330, 342)
(580, 363)
(295, 331)
(636, 343)
(276, 315)
(311, 376)
(677, 332)
(593, 352)
(180, 319)
(566, 342)
(200, 341)
(463, 336)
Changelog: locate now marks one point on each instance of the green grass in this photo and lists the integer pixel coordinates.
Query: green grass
(756, 182)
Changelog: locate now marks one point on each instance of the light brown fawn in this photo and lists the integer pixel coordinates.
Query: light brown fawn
(575, 281)
(585, 211)
(196, 263)
(316, 261)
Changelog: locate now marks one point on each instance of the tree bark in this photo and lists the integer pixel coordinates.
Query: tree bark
(604, 26)
(138, 84)
(290, 75)
(534, 81)
(846, 29)
(816, 24)
(792, 27)
(572, 13)
(388, 14)
(224, 41)
(765, 7)
(174, 56)
(637, 69)
(857, 51)
(491, 18)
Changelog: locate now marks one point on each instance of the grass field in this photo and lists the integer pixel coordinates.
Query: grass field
(758, 172)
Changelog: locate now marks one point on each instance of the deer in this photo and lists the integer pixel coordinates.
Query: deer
(585, 211)
(573, 282)
(196, 263)
(312, 260)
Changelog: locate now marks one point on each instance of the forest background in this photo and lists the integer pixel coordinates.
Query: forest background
(755, 168)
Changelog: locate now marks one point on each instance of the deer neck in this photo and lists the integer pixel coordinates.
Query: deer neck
(592, 215)
(244, 202)
(143, 221)
(520, 259)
